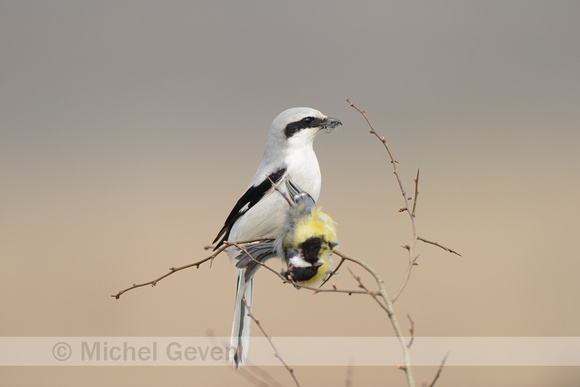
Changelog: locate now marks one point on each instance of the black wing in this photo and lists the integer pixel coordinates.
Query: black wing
(248, 200)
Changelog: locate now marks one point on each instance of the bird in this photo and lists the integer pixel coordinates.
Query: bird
(260, 211)
(307, 239)
(305, 242)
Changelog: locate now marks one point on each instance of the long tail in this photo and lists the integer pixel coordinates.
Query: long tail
(242, 322)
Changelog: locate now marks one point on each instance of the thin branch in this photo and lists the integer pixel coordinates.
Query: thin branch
(412, 258)
(276, 353)
(411, 331)
(403, 285)
(332, 273)
(373, 294)
(173, 270)
(439, 370)
(438, 245)
(389, 308)
(416, 179)
(384, 141)
(411, 213)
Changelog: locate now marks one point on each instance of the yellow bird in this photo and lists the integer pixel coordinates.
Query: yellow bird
(305, 241)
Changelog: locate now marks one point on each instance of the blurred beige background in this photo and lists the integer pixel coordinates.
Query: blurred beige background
(129, 129)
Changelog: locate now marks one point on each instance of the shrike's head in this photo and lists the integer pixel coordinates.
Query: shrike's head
(297, 127)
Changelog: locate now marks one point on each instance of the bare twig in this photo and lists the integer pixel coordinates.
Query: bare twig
(411, 331)
(410, 247)
(333, 272)
(173, 270)
(373, 294)
(384, 141)
(389, 308)
(439, 370)
(276, 353)
(416, 179)
(438, 245)
(412, 262)
(412, 258)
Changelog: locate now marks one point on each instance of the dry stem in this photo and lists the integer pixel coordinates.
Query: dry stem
(439, 370)
(276, 353)
(412, 258)
(173, 270)
(388, 307)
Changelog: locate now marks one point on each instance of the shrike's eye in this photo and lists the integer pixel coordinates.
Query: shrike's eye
(307, 121)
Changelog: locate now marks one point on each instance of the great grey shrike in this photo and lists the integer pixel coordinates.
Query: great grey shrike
(260, 212)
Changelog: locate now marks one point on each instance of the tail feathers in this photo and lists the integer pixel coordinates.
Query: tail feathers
(242, 322)
(261, 252)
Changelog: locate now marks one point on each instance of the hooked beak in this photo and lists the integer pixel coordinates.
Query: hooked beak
(329, 123)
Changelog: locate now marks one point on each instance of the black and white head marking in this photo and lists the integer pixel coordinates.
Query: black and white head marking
(310, 122)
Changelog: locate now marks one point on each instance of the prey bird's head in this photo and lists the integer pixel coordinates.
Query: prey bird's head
(299, 126)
